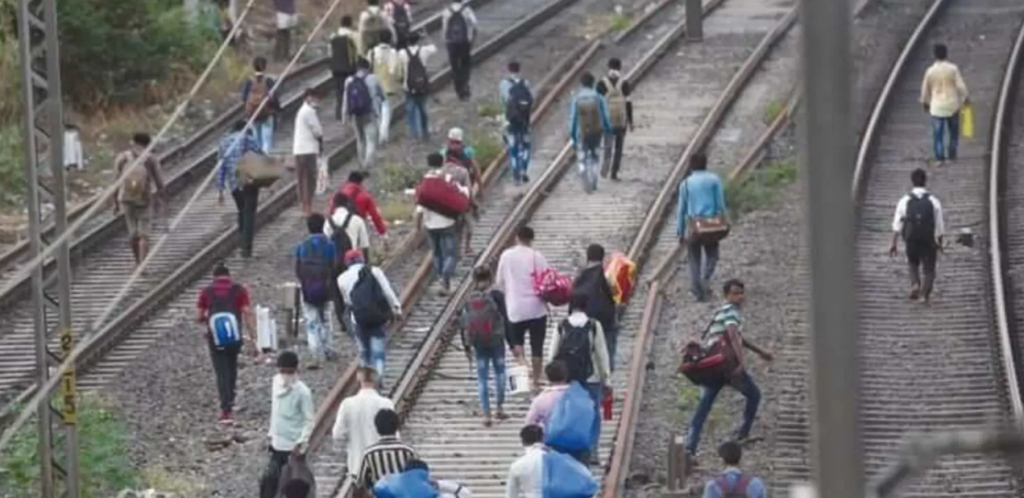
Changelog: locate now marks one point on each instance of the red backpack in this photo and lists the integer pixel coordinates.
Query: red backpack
(738, 491)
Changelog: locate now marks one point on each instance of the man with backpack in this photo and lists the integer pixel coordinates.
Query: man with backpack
(232, 148)
(344, 53)
(733, 482)
(459, 26)
(701, 201)
(725, 331)
(308, 147)
(348, 231)
(579, 344)
(416, 82)
(400, 13)
(443, 233)
(919, 222)
(223, 307)
(373, 22)
(372, 304)
(254, 91)
(482, 330)
(287, 20)
(589, 123)
(517, 100)
(459, 161)
(314, 267)
(363, 99)
(617, 91)
(593, 283)
(384, 61)
(363, 202)
(134, 198)
(527, 312)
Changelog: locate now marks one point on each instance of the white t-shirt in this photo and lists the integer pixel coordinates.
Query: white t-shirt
(308, 131)
(516, 268)
(355, 423)
(356, 229)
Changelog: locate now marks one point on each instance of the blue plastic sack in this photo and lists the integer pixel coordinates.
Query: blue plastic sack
(564, 477)
(572, 424)
(413, 483)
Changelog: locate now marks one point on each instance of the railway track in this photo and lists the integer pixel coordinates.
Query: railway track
(198, 242)
(435, 385)
(942, 367)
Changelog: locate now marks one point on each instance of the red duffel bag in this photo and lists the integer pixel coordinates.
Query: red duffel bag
(710, 364)
(440, 194)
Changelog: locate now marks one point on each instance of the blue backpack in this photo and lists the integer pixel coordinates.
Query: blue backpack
(357, 94)
(409, 484)
(565, 477)
(225, 327)
(315, 274)
(572, 425)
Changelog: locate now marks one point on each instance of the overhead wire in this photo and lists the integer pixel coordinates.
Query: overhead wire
(43, 391)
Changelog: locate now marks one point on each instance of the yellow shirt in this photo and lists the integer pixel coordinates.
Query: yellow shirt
(384, 58)
(943, 89)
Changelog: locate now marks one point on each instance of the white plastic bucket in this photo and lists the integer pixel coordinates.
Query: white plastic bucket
(518, 380)
(266, 329)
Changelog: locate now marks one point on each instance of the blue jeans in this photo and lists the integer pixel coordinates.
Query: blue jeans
(745, 385)
(444, 245)
(264, 134)
(371, 344)
(518, 145)
(484, 360)
(416, 116)
(939, 126)
(697, 278)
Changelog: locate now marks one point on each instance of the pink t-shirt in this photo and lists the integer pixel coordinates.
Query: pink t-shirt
(543, 403)
(515, 278)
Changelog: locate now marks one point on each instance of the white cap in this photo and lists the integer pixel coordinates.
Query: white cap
(455, 134)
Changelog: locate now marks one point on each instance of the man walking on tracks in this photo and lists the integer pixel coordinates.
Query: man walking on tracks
(373, 22)
(589, 123)
(416, 82)
(400, 13)
(459, 26)
(134, 197)
(388, 455)
(254, 91)
(527, 312)
(726, 327)
(384, 61)
(308, 146)
(943, 93)
(593, 283)
(344, 54)
(314, 267)
(223, 307)
(620, 109)
(918, 220)
(373, 304)
(363, 100)
(354, 422)
(233, 147)
(517, 100)
(733, 482)
(701, 223)
(291, 420)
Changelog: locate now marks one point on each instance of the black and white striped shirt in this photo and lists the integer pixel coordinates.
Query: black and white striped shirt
(387, 456)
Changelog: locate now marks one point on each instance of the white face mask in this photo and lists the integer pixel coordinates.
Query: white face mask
(288, 380)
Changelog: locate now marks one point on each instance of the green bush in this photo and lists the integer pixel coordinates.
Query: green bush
(103, 457)
(759, 189)
(12, 183)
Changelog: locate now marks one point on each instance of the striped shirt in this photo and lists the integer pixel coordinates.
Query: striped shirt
(387, 456)
(727, 314)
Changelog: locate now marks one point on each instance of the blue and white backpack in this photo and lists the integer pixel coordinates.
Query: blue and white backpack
(225, 329)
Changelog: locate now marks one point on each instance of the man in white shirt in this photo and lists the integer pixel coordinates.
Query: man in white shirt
(372, 23)
(416, 119)
(354, 422)
(355, 227)
(443, 233)
(918, 220)
(307, 146)
(383, 59)
(371, 337)
(943, 92)
(526, 474)
(527, 313)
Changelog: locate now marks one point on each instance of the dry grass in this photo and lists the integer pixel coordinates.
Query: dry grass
(159, 479)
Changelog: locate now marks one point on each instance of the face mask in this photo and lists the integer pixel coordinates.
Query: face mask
(315, 104)
(288, 379)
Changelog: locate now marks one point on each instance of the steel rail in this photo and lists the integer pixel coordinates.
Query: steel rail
(91, 348)
(186, 176)
(1002, 127)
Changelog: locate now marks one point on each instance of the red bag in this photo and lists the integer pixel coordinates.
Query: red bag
(442, 195)
(553, 288)
(606, 404)
(708, 366)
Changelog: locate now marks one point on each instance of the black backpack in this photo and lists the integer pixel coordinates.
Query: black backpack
(360, 103)
(519, 105)
(416, 79)
(919, 220)
(458, 28)
(370, 308)
(343, 54)
(574, 349)
(342, 242)
(315, 271)
(400, 20)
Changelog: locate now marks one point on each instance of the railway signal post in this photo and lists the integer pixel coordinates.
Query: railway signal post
(827, 158)
(43, 135)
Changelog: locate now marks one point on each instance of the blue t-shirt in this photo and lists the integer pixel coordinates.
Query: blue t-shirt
(317, 245)
(755, 487)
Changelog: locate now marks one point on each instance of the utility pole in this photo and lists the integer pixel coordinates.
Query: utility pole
(43, 139)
